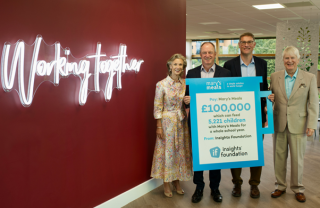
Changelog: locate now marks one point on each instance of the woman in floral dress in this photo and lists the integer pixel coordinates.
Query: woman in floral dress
(172, 159)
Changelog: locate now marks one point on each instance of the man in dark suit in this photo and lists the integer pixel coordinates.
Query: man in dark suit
(247, 65)
(207, 70)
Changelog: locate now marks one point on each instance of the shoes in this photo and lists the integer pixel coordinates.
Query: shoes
(236, 191)
(276, 193)
(300, 197)
(167, 194)
(197, 196)
(255, 193)
(181, 192)
(217, 197)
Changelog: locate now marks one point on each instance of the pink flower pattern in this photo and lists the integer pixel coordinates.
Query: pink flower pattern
(172, 154)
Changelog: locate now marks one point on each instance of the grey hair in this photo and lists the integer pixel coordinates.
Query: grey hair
(214, 47)
(291, 50)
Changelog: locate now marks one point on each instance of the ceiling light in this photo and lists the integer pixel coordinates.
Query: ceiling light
(203, 36)
(268, 6)
(235, 29)
(298, 4)
(209, 23)
(290, 18)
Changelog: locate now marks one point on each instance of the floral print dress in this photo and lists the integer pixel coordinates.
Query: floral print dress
(172, 154)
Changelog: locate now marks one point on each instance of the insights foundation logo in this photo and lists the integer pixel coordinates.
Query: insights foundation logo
(215, 152)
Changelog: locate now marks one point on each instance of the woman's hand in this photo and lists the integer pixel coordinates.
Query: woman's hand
(159, 133)
(186, 100)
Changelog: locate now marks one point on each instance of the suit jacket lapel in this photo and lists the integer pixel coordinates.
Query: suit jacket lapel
(257, 66)
(297, 83)
(199, 72)
(237, 66)
(217, 71)
(282, 85)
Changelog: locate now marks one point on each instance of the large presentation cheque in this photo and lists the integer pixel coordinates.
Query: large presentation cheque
(226, 123)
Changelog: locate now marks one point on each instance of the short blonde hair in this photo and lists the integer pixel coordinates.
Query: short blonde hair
(291, 50)
(174, 57)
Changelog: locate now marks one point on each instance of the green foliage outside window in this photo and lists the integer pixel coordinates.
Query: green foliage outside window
(233, 49)
(195, 63)
(221, 62)
(270, 67)
(265, 46)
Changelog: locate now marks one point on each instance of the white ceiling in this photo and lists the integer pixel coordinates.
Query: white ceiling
(239, 14)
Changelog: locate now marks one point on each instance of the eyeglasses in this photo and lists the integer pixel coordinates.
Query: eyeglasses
(245, 42)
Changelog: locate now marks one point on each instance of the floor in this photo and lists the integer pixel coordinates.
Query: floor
(311, 181)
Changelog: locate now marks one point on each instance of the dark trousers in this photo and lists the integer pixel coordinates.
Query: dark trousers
(214, 177)
(255, 173)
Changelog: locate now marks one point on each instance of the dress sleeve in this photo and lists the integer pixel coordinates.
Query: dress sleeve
(158, 101)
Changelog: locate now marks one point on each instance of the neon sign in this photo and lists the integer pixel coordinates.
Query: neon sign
(60, 67)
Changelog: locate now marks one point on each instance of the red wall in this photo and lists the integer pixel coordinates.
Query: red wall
(57, 154)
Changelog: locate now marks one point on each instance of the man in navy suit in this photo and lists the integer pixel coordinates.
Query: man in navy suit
(247, 65)
(208, 69)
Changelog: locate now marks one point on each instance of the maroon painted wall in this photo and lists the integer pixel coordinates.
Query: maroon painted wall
(57, 154)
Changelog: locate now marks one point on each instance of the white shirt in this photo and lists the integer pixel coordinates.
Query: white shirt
(209, 74)
(248, 71)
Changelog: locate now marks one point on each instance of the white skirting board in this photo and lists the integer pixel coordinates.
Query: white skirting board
(132, 194)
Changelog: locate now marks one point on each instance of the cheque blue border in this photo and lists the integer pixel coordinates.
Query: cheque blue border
(198, 85)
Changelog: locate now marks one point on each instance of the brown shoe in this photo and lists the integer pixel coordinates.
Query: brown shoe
(276, 193)
(255, 193)
(300, 197)
(236, 191)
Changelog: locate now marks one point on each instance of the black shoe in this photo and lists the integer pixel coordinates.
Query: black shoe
(217, 197)
(197, 196)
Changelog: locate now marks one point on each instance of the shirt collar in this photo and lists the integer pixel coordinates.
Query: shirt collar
(242, 63)
(294, 76)
(210, 70)
(171, 81)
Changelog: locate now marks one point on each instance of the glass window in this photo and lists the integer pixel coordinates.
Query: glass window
(265, 46)
(271, 62)
(195, 63)
(223, 60)
(229, 47)
(197, 44)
